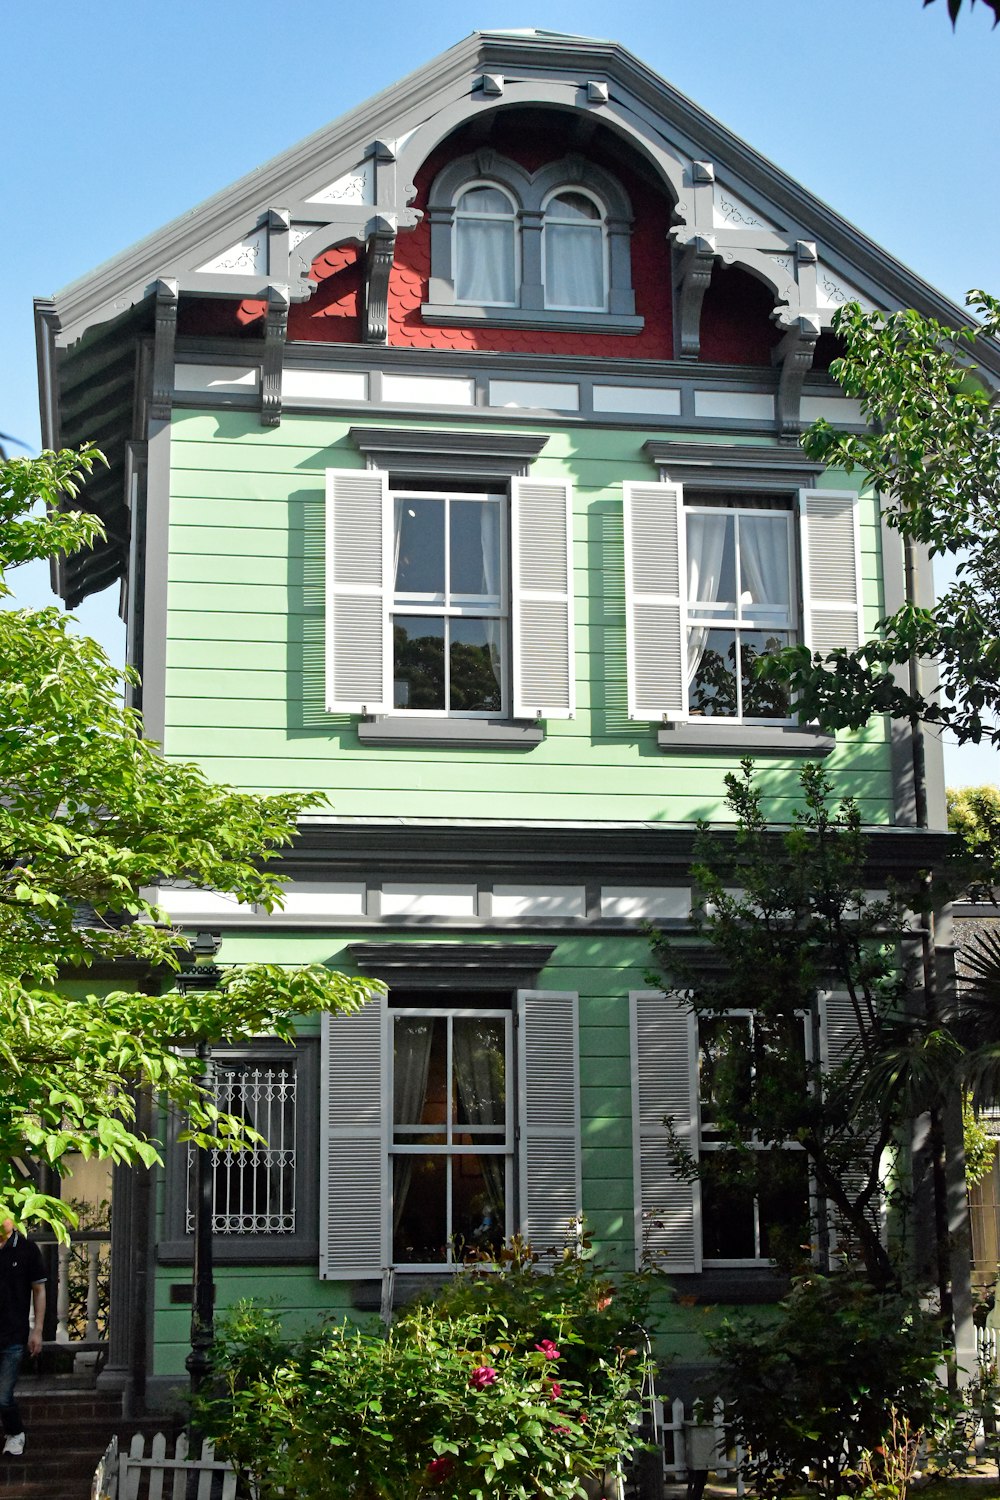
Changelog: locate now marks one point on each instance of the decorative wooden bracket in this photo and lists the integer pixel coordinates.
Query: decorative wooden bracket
(165, 333)
(380, 248)
(795, 356)
(275, 329)
(694, 273)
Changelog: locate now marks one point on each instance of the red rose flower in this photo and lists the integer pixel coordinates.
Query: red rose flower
(440, 1468)
(555, 1391)
(483, 1376)
(548, 1348)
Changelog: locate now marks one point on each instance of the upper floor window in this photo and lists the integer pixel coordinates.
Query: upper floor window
(446, 601)
(487, 249)
(546, 249)
(741, 605)
(716, 578)
(450, 602)
(574, 271)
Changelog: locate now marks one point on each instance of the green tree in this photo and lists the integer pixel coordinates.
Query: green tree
(974, 814)
(784, 918)
(91, 816)
(932, 453)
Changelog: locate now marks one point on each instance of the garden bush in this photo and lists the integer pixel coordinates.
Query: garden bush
(514, 1380)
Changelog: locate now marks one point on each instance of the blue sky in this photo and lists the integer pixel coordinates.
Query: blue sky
(117, 117)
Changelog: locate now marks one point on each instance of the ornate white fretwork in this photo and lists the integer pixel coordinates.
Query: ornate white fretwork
(354, 187)
(247, 257)
(833, 291)
(731, 212)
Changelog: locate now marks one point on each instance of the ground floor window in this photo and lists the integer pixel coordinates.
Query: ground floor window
(254, 1189)
(452, 1133)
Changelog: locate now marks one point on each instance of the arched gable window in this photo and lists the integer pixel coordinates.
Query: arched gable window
(574, 261)
(486, 249)
(546, 249)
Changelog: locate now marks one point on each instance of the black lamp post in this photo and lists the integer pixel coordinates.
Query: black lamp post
(202, 974)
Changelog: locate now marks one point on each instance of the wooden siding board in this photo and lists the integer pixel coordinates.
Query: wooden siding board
(245, 622)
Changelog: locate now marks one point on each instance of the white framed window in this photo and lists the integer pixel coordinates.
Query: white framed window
(487, 247)
(444, 602)
(451, 1119)
(450, 603)
(452, 1144)
(742, 603)
(574, 252)
(715, 578)
(747, 1217)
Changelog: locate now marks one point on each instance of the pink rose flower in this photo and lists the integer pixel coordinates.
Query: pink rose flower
(555, 1391)
(604, 1302)
(440, 1468)
(548, 1348)
(483, 1376)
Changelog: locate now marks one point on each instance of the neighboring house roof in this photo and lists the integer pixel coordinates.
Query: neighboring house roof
(354, 178)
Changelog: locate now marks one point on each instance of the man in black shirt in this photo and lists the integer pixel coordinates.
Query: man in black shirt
(22, 1286)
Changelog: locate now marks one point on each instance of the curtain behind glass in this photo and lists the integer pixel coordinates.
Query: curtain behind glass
(706, 541)
(479, 1075)
(411, 1061)
(764, 561)
(574, 266)
(490, 537)
(484, 261)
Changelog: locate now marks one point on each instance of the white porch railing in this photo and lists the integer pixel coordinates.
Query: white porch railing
(81, 1293)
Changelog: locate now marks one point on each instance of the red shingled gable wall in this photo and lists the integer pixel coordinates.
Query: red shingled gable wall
(736, 326)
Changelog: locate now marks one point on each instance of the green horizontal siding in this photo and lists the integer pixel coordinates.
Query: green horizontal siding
(245, 681)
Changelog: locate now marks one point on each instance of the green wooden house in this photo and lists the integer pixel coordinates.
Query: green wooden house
(454, 472)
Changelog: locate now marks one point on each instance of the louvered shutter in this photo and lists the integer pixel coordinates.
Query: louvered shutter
(358, 583)
(354, 1148)
(542, 599)
(548, 1115)
(838, 1038)
(655, 596)
(831, 569)
(664, 1085)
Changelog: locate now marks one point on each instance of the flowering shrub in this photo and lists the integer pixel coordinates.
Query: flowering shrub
(459, 1403)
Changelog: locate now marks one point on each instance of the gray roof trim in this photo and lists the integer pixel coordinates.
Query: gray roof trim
(694, 462)
(494, 966)
(634, 854)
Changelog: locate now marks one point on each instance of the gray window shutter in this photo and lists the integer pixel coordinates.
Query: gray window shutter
(358, 584)
(838, 1023)
(831, 569)
(354, 1148)
(548, 1115)
(655, 599)
(542, 599)
(664, 1085)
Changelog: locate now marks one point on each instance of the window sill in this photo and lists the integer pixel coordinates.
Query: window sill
(244, 1250)
(714, 737)
(461, 315)
(732, 1285)
(460, 733)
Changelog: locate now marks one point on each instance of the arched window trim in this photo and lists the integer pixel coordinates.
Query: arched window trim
(531, 191)
(513, 218)
(602, 225)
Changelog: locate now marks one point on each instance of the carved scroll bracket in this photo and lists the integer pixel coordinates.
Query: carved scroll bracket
(795, 356)
(380, 247)
(694, 272)
(272, 365)
(165, 333)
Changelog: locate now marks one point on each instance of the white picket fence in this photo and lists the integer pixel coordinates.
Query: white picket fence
(686, 1443)
(121, 1476)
